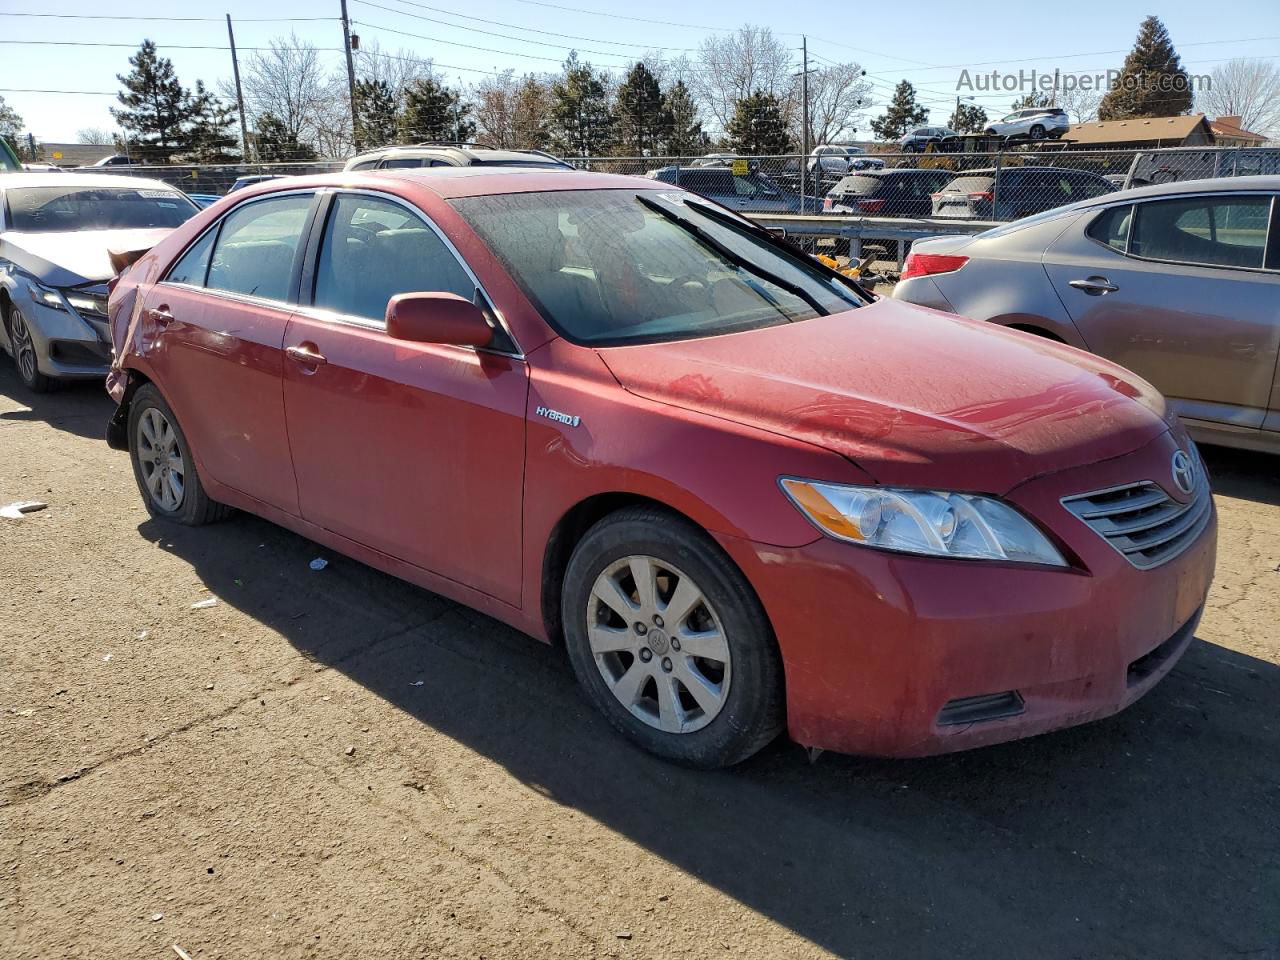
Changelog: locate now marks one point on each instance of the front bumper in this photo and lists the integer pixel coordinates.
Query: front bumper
(876, 646)
(68, 346)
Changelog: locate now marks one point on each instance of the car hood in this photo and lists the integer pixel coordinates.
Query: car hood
(74, 257)
(913, 396)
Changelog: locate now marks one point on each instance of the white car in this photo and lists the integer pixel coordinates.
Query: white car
(834, 160)
(1037, 123)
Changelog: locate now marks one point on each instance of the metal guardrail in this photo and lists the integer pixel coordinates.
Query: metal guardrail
(853, 231)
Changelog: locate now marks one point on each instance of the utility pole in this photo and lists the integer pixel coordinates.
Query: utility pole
(351, 76)
(804, 124)
(235, 71)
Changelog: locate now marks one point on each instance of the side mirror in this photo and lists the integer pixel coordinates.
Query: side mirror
(437, 318)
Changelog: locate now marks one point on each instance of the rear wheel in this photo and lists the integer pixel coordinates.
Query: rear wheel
(669, 640)
(24, 353)
(163, 466)
(1037, 132)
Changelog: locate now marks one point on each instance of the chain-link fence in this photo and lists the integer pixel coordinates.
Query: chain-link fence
(977, 187)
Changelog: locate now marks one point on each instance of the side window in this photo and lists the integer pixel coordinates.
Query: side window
(365, 165)
(1112, 228)
(1227, 231)
(194, 265)
(373, 249)
(393, 162)
(256, 246)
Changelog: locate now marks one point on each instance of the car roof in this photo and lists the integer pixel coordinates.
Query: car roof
(469, 151)
(72, 178)
(991, 171)
(1214, 185)
(455, 182)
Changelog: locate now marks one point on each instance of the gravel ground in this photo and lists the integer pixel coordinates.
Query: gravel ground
(337, 764)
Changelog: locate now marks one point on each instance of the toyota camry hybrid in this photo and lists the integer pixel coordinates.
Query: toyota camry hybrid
(746, 495)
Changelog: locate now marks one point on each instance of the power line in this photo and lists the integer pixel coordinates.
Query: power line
(104, 16)
(470, 46)
(159, 46)
(545, 33)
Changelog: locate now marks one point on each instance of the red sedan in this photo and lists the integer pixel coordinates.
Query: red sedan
(746, 495)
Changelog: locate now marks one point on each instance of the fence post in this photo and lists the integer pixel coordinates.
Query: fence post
(995, 190)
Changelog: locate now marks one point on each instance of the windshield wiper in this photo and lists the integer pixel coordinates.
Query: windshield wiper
(736, 259)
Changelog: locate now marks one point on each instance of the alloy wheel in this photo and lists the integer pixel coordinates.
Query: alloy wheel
(659, 644)
(24, 348)
(161, 460)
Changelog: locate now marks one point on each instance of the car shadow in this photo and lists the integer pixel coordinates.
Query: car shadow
(81, 407)
(1148, 834)
(1244, 474)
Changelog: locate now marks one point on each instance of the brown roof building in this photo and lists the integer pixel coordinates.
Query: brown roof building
(1228, 133)
(1185, 131)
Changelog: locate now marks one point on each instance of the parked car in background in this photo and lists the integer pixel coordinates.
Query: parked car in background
(242, 182)
(714, 160)
(745, 495)
(1035, 123)
(56, 231)
(451, 155)
(915, 141)
(1021, 191)
(751, 191)
(902, 192)
(203, 200)
(832, 160)
(41, 168)
(1179, 283)
(115, 160)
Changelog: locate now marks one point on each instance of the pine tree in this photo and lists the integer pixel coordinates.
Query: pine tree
(902, 114)
(432, 111)
(155, 106)
(375, 113)
(531, 115)
(581, 121)
(968, 118)
(686, 137)
(275, 143)
(758, 126)
(644, 118)
(1152, 82)
(211, 136)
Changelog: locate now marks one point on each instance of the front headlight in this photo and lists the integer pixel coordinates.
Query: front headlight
(933, 523)
(45, 296)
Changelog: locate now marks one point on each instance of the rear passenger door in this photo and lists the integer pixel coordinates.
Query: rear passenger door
(1178, 290)
(216, 325)
(413, 449)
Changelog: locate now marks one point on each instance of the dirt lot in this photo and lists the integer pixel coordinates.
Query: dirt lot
(336, 764)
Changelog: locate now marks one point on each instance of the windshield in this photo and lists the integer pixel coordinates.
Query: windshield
(71, 207)
(610, 267)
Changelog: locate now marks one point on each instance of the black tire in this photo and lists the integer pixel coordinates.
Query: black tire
(31, 377)
(1037, 132)
(194, 507)
(752, 713)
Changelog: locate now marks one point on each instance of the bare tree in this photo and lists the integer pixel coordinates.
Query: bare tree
(1081, 105)
(1245, 88)
(496, 108)
(98, 136)
(399, 70)
(287, 81)
(731, 67)
(837, 95)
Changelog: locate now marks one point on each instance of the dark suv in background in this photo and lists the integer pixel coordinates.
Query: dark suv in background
(451, 155)
(903, 192)
(751, 191)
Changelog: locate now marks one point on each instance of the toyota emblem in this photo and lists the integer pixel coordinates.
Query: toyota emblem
(1184, 472)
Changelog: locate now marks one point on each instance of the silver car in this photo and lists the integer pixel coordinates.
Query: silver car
(1036, 123)
(56, 234)
(1180, 283)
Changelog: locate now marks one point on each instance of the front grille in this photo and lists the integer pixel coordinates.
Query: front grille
(1143, 522)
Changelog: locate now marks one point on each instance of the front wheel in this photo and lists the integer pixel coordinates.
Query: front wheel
(670, 642)
(24, 353)
(163, 466)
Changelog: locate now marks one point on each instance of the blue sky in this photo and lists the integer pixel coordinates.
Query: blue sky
(926, 42)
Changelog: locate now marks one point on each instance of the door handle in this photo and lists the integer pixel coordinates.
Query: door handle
(160, 315)
(305, 355)
(1094, 286)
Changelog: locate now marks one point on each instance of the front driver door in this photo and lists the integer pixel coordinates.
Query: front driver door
(413, 449)
(1175, 291)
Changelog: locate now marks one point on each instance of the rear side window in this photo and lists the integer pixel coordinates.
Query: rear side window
(392, 163)
(718, 182)
(194, 265)
(364, 165)
(1112, 228)
(256, 247)
(374, 249)
(1215, 231)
